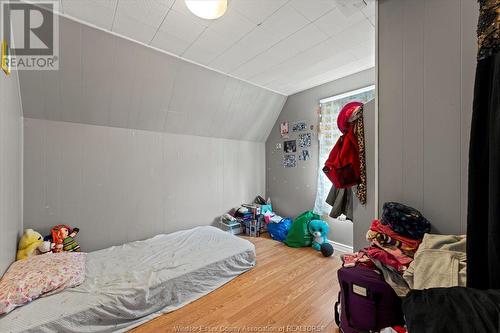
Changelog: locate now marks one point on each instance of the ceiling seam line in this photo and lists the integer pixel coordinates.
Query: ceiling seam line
(194, 41)
(256, 26)
(281, 40)
(161, 23)
(114, 15)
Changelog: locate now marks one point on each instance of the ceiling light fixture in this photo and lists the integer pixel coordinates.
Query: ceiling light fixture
(207, 9)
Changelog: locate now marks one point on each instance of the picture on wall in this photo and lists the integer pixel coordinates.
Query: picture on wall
(304, 155)
(290, 146)
(284, 129)
(299, 126)
(289, 161)
(305, 140)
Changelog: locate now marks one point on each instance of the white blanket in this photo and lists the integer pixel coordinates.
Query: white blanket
(128, 285)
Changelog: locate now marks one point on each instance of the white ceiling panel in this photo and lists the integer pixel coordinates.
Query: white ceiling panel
(257, 10)
(150, 12)
(307, 37)
(132, 28)
(276, 44)
(312, 10)
(168, 42)
(96, 12)
(181, 26)
(232, 26)
(336, 21)
(207, 47)
(369, 9)
(285, 21)
(254, 43)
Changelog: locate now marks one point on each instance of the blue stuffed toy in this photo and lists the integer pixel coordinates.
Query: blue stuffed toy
(319, 229)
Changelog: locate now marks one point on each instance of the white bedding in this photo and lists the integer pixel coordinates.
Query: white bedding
(128, 285)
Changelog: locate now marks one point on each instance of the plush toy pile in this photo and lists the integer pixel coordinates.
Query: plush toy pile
(61, 238)
(309, 230)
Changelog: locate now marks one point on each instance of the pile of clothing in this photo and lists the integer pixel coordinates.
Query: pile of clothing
(394, 240)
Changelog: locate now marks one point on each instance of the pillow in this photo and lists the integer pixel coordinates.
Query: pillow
(41, 275)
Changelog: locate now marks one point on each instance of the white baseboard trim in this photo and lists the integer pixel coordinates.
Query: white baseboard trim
(342, 248)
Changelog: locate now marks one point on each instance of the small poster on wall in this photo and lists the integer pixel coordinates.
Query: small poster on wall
(304, 155)
(305, 140)
(278, 146)
(284, 129)
(290, 146)
(299, 126)
(289, 161)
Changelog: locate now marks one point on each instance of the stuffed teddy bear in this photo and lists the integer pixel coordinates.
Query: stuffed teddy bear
(319, 230)
(30, 244)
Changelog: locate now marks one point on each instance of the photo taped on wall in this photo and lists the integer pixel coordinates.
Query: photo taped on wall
(289, 161)
(290, 146)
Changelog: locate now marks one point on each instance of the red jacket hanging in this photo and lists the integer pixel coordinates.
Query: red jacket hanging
(343, 166)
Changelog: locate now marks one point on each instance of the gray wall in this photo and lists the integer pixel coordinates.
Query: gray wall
(426, 69)
(11, 137)
(126, 142)
(110, 81)
(120, 185)
(293, 190)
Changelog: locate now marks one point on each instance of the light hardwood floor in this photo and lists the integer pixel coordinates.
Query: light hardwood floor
(289, 290)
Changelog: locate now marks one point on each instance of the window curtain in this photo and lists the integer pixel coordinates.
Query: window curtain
(328, 136)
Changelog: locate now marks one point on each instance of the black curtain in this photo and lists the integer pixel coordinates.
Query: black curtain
(483, 218)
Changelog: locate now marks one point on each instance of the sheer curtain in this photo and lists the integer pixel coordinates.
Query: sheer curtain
(328, 136)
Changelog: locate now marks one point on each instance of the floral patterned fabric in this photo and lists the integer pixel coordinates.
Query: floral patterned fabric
(37, 276)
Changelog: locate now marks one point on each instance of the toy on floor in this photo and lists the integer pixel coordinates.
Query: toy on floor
(319, 229)
(299, 234)
(326, 249)
(31, 244)
(64, 238)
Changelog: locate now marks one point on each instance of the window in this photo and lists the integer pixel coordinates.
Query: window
(328, 136)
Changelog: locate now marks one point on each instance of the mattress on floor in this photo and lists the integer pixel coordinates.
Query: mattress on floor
(130, 284)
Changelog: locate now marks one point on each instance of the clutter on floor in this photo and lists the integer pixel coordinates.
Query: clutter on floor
(402, 257)
(254, 219)
(299, 234)
(309, 230)
(319, 230)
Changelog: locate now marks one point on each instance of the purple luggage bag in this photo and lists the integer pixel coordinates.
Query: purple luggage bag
(367, 303)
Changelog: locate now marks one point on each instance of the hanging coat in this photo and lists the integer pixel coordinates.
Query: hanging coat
(483, 217)
(343, 164)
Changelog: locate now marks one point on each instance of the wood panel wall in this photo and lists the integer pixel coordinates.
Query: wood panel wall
(426, 64)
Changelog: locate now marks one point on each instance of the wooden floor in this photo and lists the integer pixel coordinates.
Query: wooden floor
(289, 290)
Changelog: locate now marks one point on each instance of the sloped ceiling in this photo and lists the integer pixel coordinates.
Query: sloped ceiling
(111, 81)
(283, 45)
